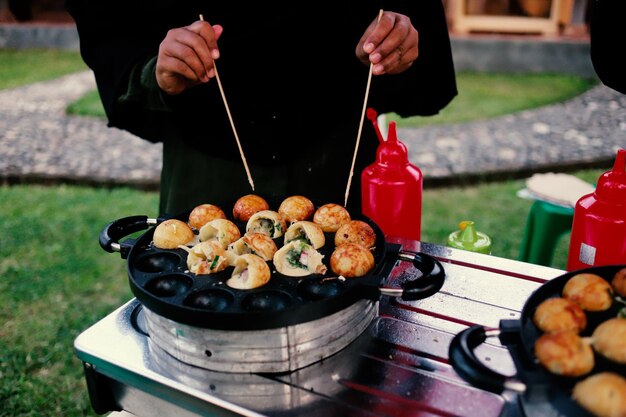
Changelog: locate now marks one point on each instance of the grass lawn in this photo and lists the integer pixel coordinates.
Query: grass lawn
(20, 67)
(56, 281)
(486, 95)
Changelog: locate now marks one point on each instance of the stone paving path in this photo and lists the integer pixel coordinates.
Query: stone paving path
(583, 131)
(39, 142)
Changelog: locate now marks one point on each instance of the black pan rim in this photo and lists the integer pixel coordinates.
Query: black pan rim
(356, 289)
(561, 386)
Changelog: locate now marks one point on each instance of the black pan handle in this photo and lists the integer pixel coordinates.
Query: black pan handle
(465, 362)
(431, 281)
(118, 229)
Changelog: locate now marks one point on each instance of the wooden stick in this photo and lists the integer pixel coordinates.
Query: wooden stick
(358, 136)
(232, 123)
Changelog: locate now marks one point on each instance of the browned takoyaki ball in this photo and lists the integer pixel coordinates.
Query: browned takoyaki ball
(619, 282)
(296, 208)
(609, 339)
(307, 231)
(256, 243)
(602, 394)
(247, 205)
(251, 271)
(356, 231)
(559, 314)
(203, 214)
(331, 217)
(207, 258)
(351, 260)
(565, 353)
(590, 291)
(171, 234)
(220, 230)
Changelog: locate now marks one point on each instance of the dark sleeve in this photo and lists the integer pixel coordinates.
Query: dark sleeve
(430, 84)
(120, 48)
(607, 37)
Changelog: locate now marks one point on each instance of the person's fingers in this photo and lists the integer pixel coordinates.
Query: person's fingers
(360, 51)
(186, 56)
(193, 48)
(210, 34)
(185, 48)
(379, 31)
(390, 33)
(397, 61)
(174, 75)
(178, 67)
(397, 46)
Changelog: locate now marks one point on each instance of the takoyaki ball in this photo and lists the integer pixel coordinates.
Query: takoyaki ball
(351, 260)
(247, 205)
(356, 231)
(298, 259)
(203, 214)
(602, 394)
(306, 231)
(619, 282)
(331, 217)
(609, 339)
(559, 314)
(222, 231)
(268, 222)
(590, 291)
(207, 258)
(171, 234)
(296, 208)
(250, 272)
(254, 243)
(564, 353)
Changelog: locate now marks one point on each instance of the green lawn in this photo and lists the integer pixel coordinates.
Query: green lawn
(87, 105)
(485, 95)
(56, 281)
(20, 67)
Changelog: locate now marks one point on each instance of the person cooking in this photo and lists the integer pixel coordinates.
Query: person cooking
(294, 77)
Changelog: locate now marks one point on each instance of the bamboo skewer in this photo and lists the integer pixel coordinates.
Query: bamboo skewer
(358, 136)
(232, 123)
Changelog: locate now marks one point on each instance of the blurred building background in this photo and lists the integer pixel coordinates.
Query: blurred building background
(24, 11)
(487, 35)
(546, 17)
(543, 17)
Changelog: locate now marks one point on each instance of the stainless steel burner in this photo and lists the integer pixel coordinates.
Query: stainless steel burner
(271, 350)
(397, 366)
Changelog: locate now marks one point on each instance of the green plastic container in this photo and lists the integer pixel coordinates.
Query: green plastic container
(468, 238)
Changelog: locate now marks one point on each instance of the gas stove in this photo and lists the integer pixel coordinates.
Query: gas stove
(398, 365)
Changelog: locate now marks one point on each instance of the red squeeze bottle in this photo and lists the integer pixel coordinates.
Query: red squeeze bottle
(391, 190)
(599, 226)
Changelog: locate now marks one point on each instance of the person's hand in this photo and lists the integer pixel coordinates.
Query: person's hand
(391, 45)
(186, 57)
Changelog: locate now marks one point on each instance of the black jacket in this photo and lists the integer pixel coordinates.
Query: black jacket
(279, 89)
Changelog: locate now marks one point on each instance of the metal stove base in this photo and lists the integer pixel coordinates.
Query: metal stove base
(396, 367)
(280, 349)
(371, 376)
